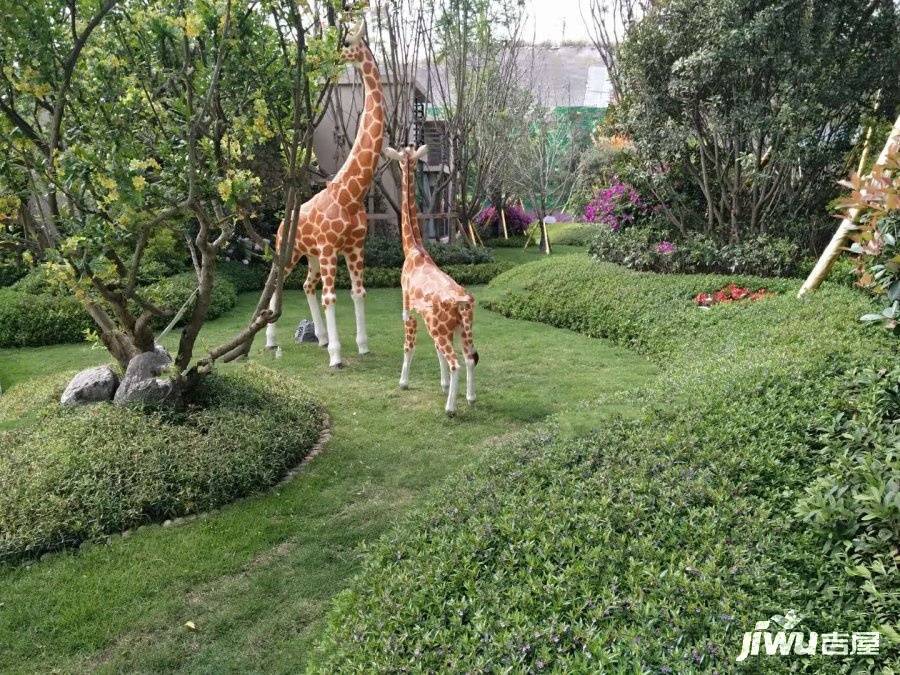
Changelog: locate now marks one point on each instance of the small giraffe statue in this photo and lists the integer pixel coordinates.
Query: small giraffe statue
(334, 221)
(447, 308)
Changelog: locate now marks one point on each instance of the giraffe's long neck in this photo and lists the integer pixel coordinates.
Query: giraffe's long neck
(359, 168)
(409, 219)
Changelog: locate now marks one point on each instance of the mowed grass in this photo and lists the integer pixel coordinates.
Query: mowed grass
(256, 577)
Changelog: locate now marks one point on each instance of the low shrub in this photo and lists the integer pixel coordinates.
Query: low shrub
(34, 319)
(648, 248)
(251, 277)
(388, 252)
(11, 273)
(389, 277)
(172, 292)
(29, 320)
(853, 498)
(39, 281)
(72, 474)
(653, 543)
(517, 241)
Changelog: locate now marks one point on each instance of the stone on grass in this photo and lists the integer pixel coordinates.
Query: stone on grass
(93, 385)
(142, 384)
(306, 332)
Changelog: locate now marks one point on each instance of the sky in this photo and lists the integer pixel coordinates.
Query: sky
(551, 20)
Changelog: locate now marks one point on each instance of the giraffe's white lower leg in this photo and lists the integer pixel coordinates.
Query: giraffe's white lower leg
(362, 338)
(470, 380)
(334, 344)
(404, 371)
(271, 330)
(316, 313)
(454, 388)
(445, 377)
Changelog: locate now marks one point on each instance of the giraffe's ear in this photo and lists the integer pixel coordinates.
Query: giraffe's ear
(390, 153)
(421, 152)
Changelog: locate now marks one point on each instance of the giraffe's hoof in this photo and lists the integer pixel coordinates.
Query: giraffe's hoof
(270, 349)
(363, 352)
(470, 401)
(404, 386)
(451, 413)
(337, 366)
(324, 345)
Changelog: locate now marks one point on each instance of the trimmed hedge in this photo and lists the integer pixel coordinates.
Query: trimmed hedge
(245, 278)
(71, 474)
(37, 319)
(28, 320)
(253, 277)
(636, 248)
(31, 320)
(653, 543)
(388, 252)
(174, 291)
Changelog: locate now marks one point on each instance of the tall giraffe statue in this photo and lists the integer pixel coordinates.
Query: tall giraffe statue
(447, 308)
(334, 221)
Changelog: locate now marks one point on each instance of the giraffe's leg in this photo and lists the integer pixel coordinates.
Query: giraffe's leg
(409, 348)
(434, 330)
(271, 330)
(313, 276)
(354, 261)
(468, 347)
(445, 374)
(328, 263)
(445, 346)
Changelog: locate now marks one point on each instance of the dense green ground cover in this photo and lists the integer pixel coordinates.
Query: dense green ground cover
(70, 474)
(257, 576)
(652, 543)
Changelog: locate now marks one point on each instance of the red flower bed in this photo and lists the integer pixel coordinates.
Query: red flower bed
(731, 293)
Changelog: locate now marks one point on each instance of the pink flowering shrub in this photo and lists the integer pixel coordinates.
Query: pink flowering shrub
(617, 205)
(517, 221)
(666, 248)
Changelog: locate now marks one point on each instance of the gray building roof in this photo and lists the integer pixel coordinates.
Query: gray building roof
(568, 75)
(559, 76)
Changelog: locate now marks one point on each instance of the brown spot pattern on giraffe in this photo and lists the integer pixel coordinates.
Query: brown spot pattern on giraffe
(445, 306)
(334, 221)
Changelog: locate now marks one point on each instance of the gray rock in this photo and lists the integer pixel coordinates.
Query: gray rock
(93, 385)
(142, 384)
(306, 332)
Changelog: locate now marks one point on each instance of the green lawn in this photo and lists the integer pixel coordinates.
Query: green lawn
(256, 577)
(518, 255)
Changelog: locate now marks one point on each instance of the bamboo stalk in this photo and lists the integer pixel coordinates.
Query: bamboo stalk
(848, 225)
(471, 233)
(865, 152)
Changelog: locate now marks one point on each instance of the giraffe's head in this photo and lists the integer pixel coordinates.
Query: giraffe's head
(408, 156)
(354, 49)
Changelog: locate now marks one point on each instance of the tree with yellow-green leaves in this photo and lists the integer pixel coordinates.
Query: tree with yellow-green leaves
(125, 120)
